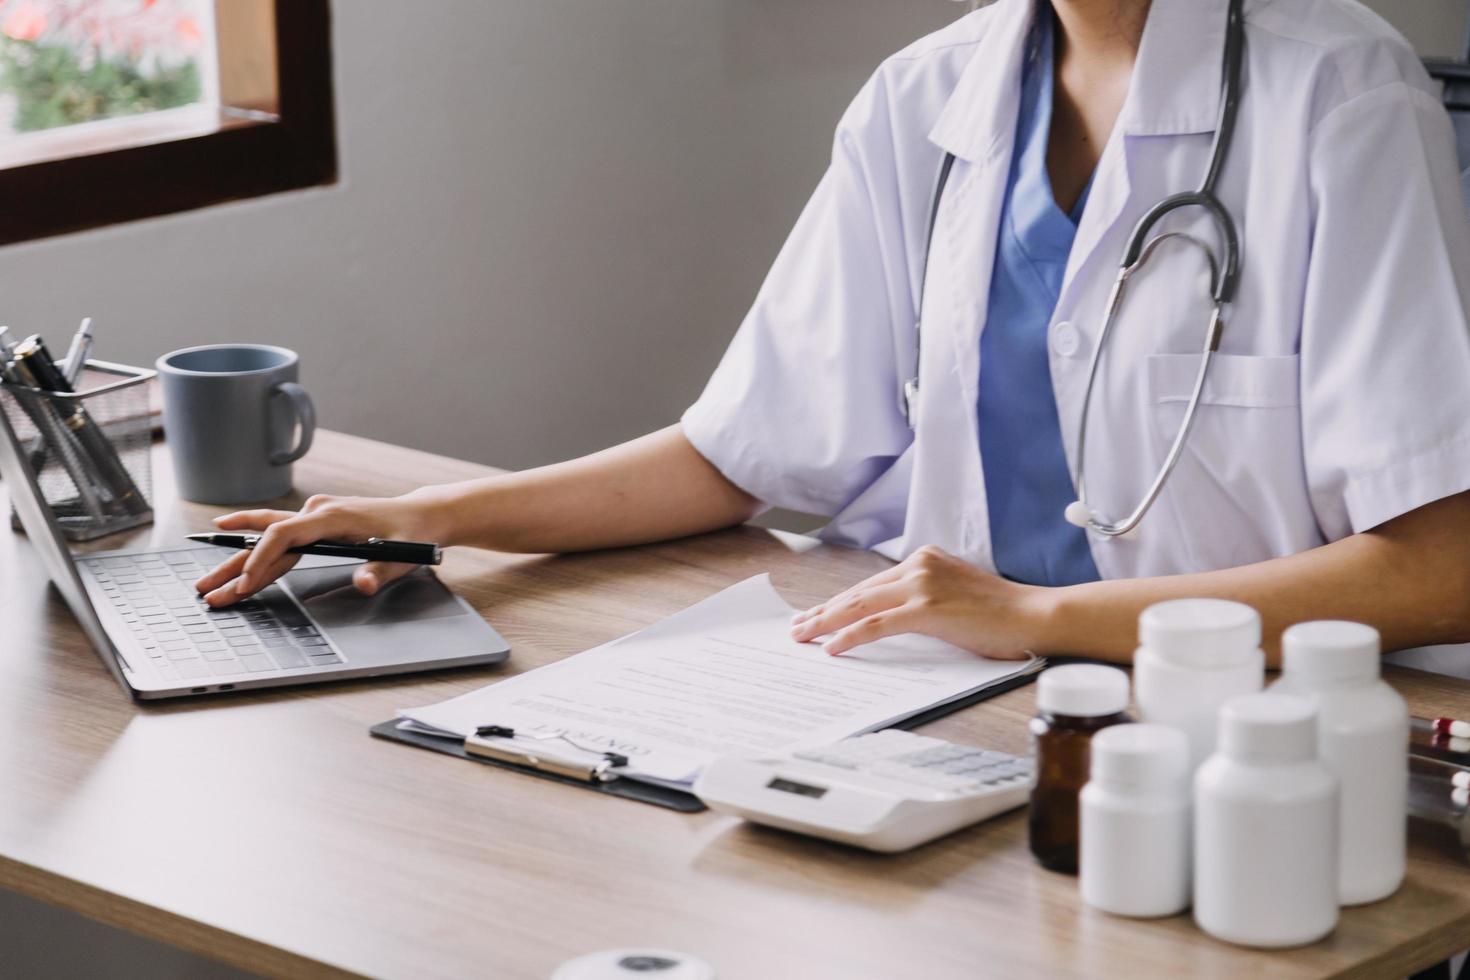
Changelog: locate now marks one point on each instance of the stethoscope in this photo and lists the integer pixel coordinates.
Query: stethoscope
(1223, 279)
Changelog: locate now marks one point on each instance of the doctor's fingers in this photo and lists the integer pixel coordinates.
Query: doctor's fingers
(252, 520)
(233, 591)
(890, 622)
(372, 576)
(240, 520)
(882, 578)
(851, 606)
(276, 540)
(224, 572)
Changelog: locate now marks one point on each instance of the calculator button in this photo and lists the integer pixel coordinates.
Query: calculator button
(909, 774)
(826, 759)
(961, 766)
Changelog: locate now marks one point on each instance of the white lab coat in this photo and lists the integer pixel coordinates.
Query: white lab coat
(1341, 394)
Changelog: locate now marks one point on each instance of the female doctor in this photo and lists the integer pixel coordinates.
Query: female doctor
(1327, 457)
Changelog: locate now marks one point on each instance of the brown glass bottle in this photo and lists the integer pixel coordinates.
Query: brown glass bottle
(1063, 759)
(1072, 703)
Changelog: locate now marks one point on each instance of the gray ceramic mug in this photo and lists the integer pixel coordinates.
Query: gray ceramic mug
(229, 411)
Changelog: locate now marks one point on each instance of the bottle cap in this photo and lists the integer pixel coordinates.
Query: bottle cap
(1269, 728)
(1203, 633)
(1082, 690)
(1331, 650)
(1141, 756)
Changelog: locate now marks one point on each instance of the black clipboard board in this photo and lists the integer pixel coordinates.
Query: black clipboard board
(670, 799)
(631, 789)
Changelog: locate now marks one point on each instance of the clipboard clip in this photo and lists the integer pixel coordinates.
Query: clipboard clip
(492, 741)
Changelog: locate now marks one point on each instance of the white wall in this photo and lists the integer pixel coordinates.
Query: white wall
(552, 217)
(1437, 27)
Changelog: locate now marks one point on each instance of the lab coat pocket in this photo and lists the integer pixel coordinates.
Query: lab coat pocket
(1238, 488)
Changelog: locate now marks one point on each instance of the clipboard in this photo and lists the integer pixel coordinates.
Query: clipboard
(670, 799)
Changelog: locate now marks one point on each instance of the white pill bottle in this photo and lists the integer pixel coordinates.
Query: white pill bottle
(1265, 827)
(1193, 656)
(1135, 822)
(1362, 735)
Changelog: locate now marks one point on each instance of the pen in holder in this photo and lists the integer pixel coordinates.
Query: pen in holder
(89, 448)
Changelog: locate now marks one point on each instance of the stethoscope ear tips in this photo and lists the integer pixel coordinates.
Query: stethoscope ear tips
(1077, 514)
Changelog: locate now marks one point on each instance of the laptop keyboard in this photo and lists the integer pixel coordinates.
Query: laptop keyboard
(185, 639)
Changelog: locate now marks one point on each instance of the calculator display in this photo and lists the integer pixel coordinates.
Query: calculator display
(800, 789)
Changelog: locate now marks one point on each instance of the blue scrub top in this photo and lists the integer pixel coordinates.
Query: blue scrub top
(1027, 481)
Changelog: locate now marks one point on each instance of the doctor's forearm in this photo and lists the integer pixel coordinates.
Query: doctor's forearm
(648, 489)
(1409, 578)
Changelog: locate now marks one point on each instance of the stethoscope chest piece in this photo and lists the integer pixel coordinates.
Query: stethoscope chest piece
(1077, 514)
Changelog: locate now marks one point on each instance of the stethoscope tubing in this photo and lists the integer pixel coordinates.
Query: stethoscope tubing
(1224, 277)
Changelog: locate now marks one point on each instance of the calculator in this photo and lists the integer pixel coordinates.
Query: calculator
(887, 791)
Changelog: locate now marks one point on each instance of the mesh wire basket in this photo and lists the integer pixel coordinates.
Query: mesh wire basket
(89, 448)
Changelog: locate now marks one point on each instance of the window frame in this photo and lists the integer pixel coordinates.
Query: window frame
(243, 155)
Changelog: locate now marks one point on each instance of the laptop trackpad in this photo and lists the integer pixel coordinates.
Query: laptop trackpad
(414, 618)
(334, 602)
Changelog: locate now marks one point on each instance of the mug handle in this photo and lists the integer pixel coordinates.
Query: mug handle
(305, 414)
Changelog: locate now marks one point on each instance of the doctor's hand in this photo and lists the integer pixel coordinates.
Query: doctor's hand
(321, 518)
(934, 593)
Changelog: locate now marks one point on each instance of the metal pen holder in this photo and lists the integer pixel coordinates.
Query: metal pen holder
(89, 449)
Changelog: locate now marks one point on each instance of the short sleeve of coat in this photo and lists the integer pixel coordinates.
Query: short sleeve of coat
(804, 409)
(1385, 342)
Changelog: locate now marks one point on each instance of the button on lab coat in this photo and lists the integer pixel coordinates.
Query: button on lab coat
(1341, 394)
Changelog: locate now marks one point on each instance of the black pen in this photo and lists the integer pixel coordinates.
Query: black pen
(373, 549)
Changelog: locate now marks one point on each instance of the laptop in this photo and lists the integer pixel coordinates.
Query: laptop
(142, 615)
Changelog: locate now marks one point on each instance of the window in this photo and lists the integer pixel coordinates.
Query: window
(113, 110)
(68, 62)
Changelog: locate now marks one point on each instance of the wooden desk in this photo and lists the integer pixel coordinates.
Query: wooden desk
(269, 830)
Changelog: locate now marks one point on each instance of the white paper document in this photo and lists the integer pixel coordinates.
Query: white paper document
(722, 677)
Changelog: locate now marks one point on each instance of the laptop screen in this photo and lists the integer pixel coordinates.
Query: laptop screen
(47, 540)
